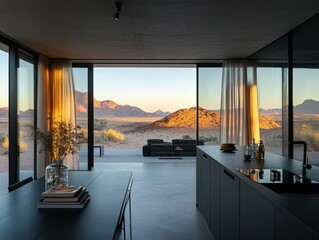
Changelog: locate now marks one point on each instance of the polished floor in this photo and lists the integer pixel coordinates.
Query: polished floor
(163, 195)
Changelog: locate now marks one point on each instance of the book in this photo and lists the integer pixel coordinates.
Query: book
(80, 204)
(77, 197)
(62, 191)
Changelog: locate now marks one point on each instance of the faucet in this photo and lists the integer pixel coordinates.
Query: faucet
(305, 164)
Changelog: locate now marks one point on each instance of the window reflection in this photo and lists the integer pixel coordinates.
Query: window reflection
(209, 97)
(25, 117)
(270, 107)
(4, 117)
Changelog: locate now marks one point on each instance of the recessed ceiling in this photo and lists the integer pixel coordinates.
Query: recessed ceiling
(151, 30)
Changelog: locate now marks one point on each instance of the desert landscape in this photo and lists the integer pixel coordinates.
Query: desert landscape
(125, 126)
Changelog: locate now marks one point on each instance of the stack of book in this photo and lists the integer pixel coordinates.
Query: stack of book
(64, 197)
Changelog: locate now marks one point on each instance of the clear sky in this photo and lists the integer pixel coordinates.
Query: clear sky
(151, 89)
(210, 83)
(4, 71)
(269, 87)
(170, 89)
(306, 84)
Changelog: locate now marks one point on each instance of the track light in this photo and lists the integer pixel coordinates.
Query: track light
(118, 11)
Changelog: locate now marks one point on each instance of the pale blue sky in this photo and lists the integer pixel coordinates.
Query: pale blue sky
(151, 89)
(210, 80)
(170, 89)
(4, 88)
(269, 87)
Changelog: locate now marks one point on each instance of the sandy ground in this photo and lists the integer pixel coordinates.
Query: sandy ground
(136, 136)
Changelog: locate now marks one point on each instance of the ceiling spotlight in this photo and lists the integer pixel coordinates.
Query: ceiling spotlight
(118, 11)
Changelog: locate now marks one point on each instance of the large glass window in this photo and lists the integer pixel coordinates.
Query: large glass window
(273, 95)
(269, 82)
(4, 117)
(25, 117)
(305, 89)
(134, 104)
(209, 99)
(81, 100)
(306, 112)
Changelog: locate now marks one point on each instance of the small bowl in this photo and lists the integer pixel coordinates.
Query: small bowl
(247, 157)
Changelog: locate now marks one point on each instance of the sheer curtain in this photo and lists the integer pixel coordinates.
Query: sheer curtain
(239, 106)
(43, 107)
(62, 100)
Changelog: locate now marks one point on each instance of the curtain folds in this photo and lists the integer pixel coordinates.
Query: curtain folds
(239, 105)
(42, 107)
(61, 100)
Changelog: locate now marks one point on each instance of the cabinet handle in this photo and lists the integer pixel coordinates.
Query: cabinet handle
(228, 174)
(204, 155)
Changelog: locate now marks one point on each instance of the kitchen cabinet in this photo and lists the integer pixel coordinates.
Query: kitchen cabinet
(235, 207)
(288, 227)
(214, 194)
(202, 191)
(229, 205)
(257, 215)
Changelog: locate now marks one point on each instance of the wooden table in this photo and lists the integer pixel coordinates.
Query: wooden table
(102, 218)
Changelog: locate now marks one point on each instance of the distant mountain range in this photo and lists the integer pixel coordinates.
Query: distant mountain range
(307, 107)
(110, 109)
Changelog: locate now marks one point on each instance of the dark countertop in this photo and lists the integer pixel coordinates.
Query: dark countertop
(21, 219)
(304, 207)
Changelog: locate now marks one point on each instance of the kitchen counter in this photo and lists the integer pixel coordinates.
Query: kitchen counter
(302, 207)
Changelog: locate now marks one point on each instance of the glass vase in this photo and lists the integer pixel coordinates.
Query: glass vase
(56, 174)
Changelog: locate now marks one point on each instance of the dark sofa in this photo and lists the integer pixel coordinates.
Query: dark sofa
(178, 147)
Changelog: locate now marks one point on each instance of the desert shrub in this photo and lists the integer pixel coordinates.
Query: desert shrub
(109, 135)
(100, 137)
(212, 139)
(115, 136)
(306, 133)
(99, 125)
(186, 137)
(23, 146)
(5, 142)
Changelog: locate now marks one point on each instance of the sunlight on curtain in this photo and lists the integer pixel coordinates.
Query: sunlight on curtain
(239, 106)
(62, 100)
(253, 109)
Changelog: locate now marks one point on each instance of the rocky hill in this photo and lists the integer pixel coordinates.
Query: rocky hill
(208, 119)
(267, 123)
(187, 118)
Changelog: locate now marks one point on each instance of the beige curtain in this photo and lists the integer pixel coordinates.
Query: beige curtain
(62, 100)
(42, 107)
(239, 106)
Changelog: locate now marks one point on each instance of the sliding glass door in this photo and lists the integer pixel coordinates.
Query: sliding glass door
(270, 81)
(4, 116)
(209, 97)
(25, 112)
(82, 74)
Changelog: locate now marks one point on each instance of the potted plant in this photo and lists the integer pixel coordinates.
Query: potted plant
(60, 141)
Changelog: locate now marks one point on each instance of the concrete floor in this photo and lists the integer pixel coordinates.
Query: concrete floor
(163, 195)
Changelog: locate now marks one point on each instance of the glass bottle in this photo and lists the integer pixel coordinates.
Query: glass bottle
(261, 151)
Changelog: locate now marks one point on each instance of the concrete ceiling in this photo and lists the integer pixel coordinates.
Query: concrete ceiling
(151, 30)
